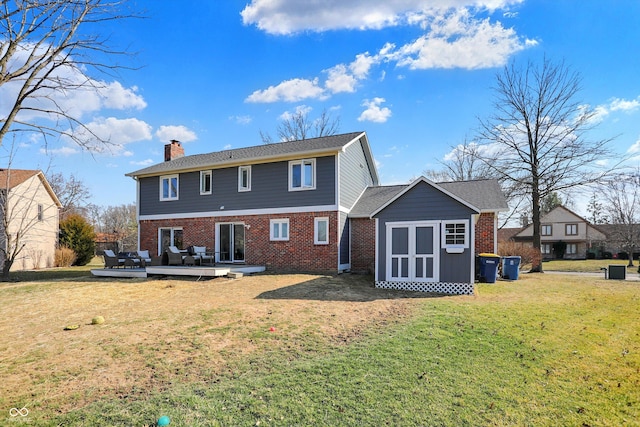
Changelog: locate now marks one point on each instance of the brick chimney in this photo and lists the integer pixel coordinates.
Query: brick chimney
(173, 150)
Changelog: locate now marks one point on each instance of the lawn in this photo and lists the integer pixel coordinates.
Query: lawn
(320, 350)
(586, 265)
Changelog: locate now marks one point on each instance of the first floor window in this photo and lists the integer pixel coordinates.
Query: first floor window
(546, 230)
(572, 249)
(169, 236)
(321, 231)
(169, 187)
(205, 182)
(279, 229)
(244, 178)
(545, 248)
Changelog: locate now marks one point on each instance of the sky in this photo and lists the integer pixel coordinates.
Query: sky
(415, 75)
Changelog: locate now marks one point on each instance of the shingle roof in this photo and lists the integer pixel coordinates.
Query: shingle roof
(9, 178)
(484, 194)
(332, 143)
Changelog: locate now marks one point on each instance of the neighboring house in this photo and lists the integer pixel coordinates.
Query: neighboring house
(29, 209)
(619, 238)
(313, 205)
(562, 227)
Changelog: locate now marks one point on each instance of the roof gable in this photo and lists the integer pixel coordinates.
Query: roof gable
(12, 178)
(413, 185)
(484, 195)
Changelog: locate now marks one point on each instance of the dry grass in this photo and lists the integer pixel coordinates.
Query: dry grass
(160, 332)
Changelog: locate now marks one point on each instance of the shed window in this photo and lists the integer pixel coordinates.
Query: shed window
(455, 234)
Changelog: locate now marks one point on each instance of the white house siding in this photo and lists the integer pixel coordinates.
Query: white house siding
(40, 237)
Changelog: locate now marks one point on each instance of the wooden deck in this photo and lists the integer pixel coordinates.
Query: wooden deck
(192, 271)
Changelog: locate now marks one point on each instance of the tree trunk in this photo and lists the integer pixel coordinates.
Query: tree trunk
(6, 268)
(536, 265)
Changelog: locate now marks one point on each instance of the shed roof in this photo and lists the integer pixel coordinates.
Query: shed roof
(484, 194)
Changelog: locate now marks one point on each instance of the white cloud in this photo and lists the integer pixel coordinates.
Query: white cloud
(635, 147)
(618, 104)
(374, 113)
(453, 38)
(145, 162)
(241, 120)
(300, 109)
(179, 133)
(110, 135)
(292, 16)
(115, 96)
(293, 90)
(62, 151)
(457, 40)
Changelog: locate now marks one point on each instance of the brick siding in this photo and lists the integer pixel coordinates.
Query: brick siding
(363, 245)
(298, 254)
(485, 233)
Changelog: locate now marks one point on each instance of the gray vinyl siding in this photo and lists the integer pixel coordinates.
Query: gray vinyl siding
(269, 189)
(424, 203)
(355, 174)
(345, 244)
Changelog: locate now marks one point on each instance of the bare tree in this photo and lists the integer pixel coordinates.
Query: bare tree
(46, 48)
(72, 193)
(622, 196)
(539, 134)
(298, 126)
(469, 161)
(119, 221)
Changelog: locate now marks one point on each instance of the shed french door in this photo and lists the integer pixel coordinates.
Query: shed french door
(230, 242)
(412, 252)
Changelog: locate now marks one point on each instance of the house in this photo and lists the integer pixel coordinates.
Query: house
(311, 205)
(29, 209)
(564, 234)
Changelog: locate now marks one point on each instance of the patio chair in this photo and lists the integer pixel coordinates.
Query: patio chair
(200, 253)
(111, 260)
(145, 257)
(175, 256)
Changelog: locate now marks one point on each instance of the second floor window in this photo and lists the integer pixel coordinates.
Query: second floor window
(244, 178)
(546, 230)
(571, 229)
(302, 175)
(169, 187)
(205, 182)
(40, 213)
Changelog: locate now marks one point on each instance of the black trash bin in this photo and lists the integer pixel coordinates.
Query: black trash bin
(489, 267)
(511, 267)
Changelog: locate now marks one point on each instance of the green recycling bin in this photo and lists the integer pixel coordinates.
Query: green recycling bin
(489, 267)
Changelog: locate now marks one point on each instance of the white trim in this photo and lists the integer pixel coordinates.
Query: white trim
(242, 212)
(443, 236)
(376, 245)
(472, 245)
(169, 178)
(302, 163)
(317, 221)
(495, 234)
(411, 226)
(138, 210)
(279, 221)
(210, 173)
(240, 187)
